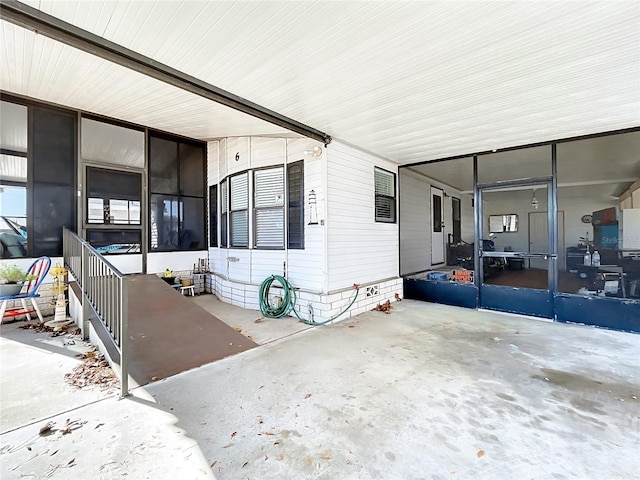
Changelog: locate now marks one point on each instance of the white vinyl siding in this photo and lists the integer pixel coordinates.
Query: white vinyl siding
(239, 210)
(269, 208)
(385, 200)
(359, 249)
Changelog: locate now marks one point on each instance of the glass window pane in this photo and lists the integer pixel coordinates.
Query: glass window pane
(134, 212)
(596, 181)
(163, 166)
(164, 219)
(239, 191)
(13, 127)
(515, 164)
(13, 221)
(119, 210)
(269, 188)
(270, 228)
(13, 169)
(240, 229)
(104, 142)
(191, 170)
(110, 242)
(95, 211)
(384, 183)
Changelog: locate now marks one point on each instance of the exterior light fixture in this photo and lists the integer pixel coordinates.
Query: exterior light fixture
(314, 152)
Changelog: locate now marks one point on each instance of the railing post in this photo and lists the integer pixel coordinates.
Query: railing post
(84, 267)
(124, 337)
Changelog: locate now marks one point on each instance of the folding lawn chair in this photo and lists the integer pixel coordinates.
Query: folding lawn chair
(39, 270)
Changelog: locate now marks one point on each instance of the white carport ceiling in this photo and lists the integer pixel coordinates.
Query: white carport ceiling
(410, 81)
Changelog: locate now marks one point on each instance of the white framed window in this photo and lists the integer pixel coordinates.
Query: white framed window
(268, 206)
(275, 208)
(239, 210)
(385, 196)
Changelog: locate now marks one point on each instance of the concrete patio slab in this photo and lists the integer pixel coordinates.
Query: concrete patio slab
(429, 391)
(251, 323)
(32, 385)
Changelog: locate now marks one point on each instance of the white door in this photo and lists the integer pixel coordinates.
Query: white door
(539, 239)
(437, 227)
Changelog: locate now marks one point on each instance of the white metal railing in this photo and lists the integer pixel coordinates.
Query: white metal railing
(104, 288)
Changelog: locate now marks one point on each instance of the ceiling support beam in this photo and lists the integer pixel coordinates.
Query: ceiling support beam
(52, 27)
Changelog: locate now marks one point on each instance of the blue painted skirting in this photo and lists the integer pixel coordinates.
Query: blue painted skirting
(524, 301)
(614, 313)
(449, 293)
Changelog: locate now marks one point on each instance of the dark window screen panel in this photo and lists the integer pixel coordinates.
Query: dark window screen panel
(113, 184)
(163, 166)
(191, 170)
(437, 213)
(192, 231)
(295, 181)
(164, 222)
(54, 145)
(213, 216)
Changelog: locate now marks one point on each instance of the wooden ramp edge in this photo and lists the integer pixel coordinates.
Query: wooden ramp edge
(169, 333)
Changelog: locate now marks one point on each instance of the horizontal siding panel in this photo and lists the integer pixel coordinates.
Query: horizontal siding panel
(360, 250)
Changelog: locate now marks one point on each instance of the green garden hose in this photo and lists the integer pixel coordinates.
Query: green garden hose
(288, 303)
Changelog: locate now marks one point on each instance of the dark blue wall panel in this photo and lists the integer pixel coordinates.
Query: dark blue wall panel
(449, 293)
(524, 301)
(617, 314)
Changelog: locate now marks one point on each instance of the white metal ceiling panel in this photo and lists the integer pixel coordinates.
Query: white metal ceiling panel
(410, 81)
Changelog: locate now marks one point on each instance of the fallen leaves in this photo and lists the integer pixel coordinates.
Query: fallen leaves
(384, 307)
(213, 464)
(307, 395)
(398, 298)
(480, 453)
(309, 461)
(93, 371)
(258, 320)
(42, 328)
(46, 428)
(234, 434)
(238, 329)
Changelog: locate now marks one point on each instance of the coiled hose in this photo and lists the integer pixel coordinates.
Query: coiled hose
(288, 303)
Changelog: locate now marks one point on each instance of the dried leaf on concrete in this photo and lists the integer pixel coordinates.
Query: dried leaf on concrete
(94, 371)
(480, 453)
(384, 307)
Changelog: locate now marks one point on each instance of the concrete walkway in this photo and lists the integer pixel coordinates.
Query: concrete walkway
(429, 391)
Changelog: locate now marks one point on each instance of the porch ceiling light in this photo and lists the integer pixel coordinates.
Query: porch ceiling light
(534, 200)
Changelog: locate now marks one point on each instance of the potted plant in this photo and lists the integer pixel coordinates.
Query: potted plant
(11, 279)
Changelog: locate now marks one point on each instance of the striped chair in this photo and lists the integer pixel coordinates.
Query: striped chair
(39, 270)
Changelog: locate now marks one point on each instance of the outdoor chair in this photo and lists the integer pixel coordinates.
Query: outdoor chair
(39, 269)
